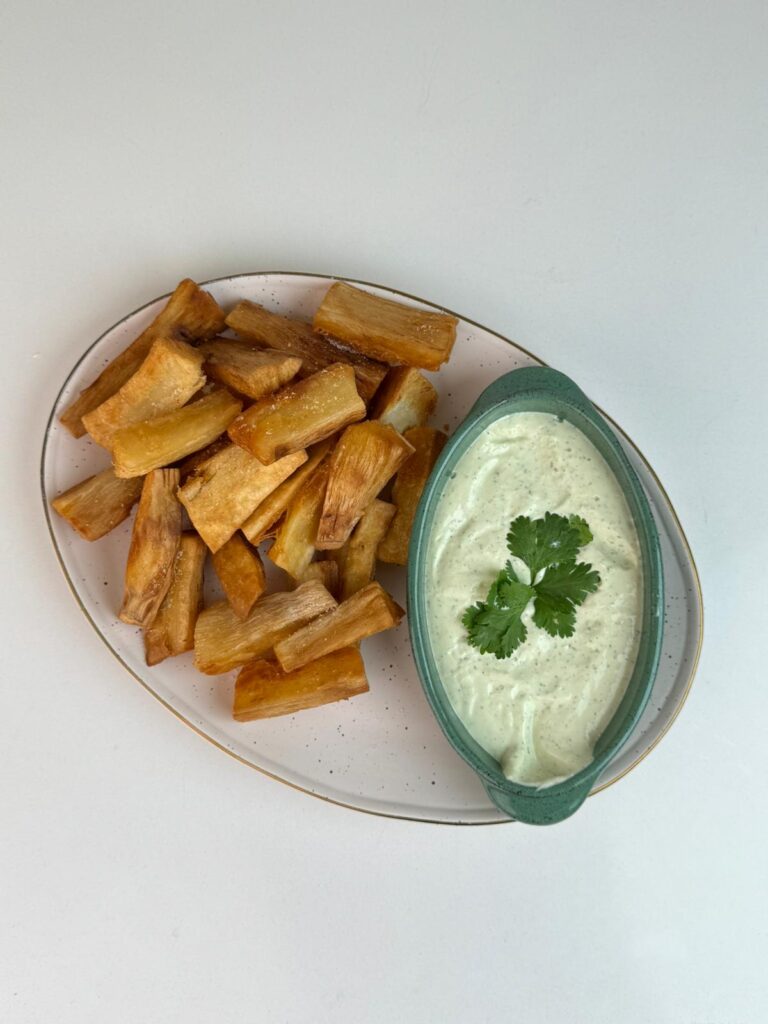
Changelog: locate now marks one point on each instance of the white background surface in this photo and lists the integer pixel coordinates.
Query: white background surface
(586, 177)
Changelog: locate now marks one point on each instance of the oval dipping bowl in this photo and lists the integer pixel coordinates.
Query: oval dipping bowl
(538, 389)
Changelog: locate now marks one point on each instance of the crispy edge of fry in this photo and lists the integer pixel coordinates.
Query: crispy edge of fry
(294, 547)
(241, 574)
(188, 466)
(406, 491)
(326, 571)
(264, 521)
(223, 641)
(221, 494)
(252, 372)
(174, 435)
(371, 610)
(190, 312)
(98, 504)
(255, 323)
(386, 330)
(406, 399)
(263, 690)
(166, 379)
(154, 542)
(357, 558)
(300, 415)
(361, 463)
(172, 630)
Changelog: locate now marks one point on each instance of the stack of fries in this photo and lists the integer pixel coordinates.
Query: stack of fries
(287, 433)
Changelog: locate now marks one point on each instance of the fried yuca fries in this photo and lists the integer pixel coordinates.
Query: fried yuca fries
(365, 457)
(187, 466)
(406, 399)
(327, 572)
(371, 610)
(168, 438)
(222, 492)
(294, 547)
(190, 314)
(97, 505)
(406, 491)
(165, 380)
(300, 415)
(249, 371)
(386, 330)
(263, 690)
(154, 542)
(240, 573)
(262, 522)
(254, 323)
(172, 631)
(223, 641)
(357, 558)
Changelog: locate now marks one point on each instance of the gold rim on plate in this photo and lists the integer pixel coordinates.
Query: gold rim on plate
(264, 771)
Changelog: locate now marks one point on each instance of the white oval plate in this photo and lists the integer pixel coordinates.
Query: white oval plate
(381, 752)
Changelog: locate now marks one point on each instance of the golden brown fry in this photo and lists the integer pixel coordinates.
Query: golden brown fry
(255, 323)
(263, 521)
(406, 399)
(386, 330)
(168, 438)
(172, 630)
(300, 415)
(97, 505)
(190, 314)
(154, 542)
(166, 380)
(406, 491)
(223, 641)
(361, 463)
(357, 559)
(371, 610)
(263, 690)
(221, 494)
(327, 572)
(188, 466)
(241, 574)
(253, 372)
(294, 548)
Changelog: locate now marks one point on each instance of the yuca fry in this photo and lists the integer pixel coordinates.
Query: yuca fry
(263, 690)
(240, 573)
(169, 438)
(386, 330)
(263, 521)
(172, 631)
(365, 457)
(254, 323)
(165, 380)
(294, 547)
(154, 542)
(249, 371)
(406, 491)
(357, 559)
(223, 641)
(327, 572)
(188, 466)
(406, 399)
(300, 415)
(222, 492)
(190, 314)
(97, 505)
(371, 610)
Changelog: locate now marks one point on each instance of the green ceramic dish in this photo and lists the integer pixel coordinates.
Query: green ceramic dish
(539, 389)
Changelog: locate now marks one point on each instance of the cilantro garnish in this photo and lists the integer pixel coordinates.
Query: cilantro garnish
(558, 584)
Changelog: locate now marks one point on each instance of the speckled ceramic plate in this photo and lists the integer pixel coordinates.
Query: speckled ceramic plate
(382, 752)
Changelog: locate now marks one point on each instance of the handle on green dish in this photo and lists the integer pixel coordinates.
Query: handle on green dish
(540, 808)
(527, 378)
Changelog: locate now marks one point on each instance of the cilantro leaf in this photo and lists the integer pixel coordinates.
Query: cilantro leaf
(558, 585)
